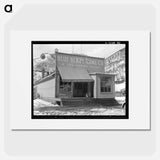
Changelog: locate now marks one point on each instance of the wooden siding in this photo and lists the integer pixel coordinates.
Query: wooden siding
(46, 89)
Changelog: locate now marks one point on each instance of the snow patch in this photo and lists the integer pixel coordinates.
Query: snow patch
(119, 87)
(41, 103)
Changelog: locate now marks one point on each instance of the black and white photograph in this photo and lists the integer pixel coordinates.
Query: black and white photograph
(79, 79)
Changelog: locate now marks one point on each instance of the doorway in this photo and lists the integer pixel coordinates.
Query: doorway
(80, 89)
(83, 89)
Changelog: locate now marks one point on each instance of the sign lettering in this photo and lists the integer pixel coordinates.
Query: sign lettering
(91, 63)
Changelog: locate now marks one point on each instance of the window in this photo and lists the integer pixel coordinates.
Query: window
(64, 86)
(106, 84)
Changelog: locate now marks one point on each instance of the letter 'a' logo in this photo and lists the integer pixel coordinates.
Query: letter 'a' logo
(8, 8)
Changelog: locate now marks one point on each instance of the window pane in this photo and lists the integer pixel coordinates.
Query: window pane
(105, 84)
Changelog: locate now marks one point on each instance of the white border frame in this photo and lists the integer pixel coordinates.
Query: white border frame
(139, 102)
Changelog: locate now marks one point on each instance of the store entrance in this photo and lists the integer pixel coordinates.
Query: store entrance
(82, 89)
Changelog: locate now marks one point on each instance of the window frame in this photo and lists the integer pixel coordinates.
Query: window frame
(106, 86)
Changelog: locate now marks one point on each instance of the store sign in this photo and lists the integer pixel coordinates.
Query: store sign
(80, 61)
(118, 56)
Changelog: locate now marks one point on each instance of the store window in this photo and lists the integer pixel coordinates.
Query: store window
(64, 87)
(106, 83)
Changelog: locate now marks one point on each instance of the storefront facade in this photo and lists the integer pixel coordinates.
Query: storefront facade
(77, 76)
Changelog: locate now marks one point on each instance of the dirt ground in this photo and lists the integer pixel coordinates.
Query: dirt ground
(87, 110)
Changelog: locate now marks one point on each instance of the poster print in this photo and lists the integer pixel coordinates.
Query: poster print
(79, 79)
(76, 59)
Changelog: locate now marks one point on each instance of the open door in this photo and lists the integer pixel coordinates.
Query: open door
(83, 89)
(80, 89)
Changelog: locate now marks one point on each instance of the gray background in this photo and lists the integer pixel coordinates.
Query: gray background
(79, 17)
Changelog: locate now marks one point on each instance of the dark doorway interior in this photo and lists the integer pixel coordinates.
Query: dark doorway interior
(80, 89)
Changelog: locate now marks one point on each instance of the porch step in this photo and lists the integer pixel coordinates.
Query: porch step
(76, 102)
(106, 102)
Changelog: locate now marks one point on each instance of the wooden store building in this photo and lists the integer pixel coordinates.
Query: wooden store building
(77, 76)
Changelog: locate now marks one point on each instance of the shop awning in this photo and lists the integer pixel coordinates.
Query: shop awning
(74, 74)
